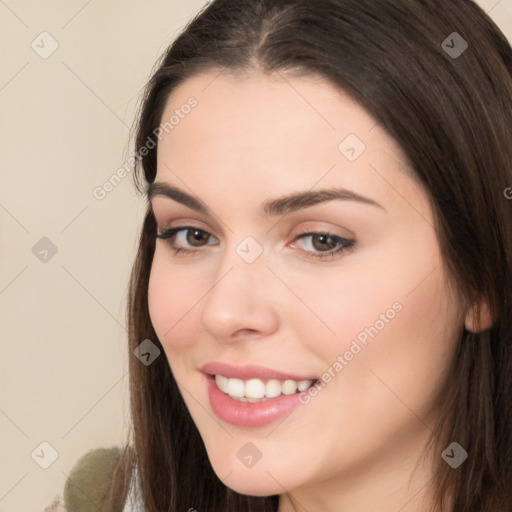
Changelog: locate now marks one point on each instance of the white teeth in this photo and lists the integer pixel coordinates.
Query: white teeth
(289, 387)
(304, 384)
(222, 383)
(236, 388)
(255, 390)
(272, 388)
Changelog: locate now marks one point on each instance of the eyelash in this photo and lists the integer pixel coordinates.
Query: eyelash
(348, 245)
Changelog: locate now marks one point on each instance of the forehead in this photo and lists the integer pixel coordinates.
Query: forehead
(274, 129)
(275, 107)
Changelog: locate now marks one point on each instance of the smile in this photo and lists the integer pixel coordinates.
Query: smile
(256, 390)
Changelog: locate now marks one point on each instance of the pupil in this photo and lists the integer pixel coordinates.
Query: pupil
(323, 240)
(197, 235)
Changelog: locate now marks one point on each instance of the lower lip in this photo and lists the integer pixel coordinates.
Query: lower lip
(249, 414)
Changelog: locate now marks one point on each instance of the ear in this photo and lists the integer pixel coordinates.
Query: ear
(478, 318)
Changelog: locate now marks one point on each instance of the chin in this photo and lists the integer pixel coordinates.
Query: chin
(251, 481)
(253, 485)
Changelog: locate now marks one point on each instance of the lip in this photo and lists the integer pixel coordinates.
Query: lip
(247, 372)
(249, 414)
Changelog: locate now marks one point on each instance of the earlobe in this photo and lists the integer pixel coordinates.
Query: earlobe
(478, 318)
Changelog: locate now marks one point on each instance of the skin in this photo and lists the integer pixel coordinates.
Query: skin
(355, 445)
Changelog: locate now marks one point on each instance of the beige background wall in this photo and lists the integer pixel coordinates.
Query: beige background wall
(64, 127)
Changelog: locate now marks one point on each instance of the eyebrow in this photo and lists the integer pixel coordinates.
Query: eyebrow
(276, 206)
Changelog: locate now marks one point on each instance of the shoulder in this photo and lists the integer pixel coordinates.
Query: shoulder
(88, 483)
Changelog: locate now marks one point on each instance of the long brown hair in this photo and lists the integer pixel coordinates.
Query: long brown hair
(452, 116)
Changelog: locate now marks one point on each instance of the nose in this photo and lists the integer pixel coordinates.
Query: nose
(242, 300)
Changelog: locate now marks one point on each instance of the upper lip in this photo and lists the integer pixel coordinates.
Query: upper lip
(247, 372)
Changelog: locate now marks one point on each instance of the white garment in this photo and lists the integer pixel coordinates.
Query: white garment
(132, 503)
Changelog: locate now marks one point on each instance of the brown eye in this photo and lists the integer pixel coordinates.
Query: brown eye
(323, 242)
(195, 236)
(326, 245)
(183, 239)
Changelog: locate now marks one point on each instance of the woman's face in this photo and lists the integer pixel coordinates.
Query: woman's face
(374, 320)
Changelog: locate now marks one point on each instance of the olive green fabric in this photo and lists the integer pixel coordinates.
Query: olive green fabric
(88, 482)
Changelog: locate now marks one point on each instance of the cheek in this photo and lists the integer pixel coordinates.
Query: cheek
(395, 314)
(339, 305)
(403, 362)
(172, 296)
